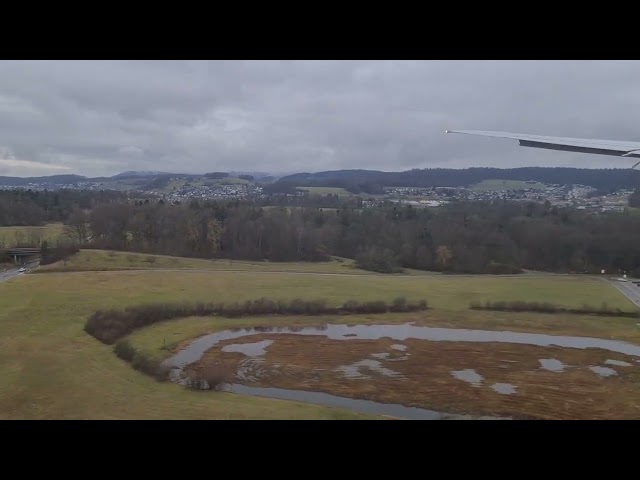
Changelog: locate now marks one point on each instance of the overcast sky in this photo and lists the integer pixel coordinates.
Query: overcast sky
(104, 117)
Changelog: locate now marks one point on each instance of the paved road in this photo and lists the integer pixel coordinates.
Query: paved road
(15, 272)
(9, 274)
(290, 272)
(629, 290)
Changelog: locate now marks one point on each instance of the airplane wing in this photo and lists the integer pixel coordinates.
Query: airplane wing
(583, 145)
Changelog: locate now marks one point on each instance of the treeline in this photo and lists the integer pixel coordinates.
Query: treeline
(111, 325)
(369, 181)
(541, 307)
(51, 180)
(463, 237)
(52, 255)
(141, 362)
(211, 377)
(27, 207)
(310, 201)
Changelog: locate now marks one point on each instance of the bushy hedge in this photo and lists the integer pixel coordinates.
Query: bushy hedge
(110, 325)
(140, 361)
(56, 254)
(540, 307)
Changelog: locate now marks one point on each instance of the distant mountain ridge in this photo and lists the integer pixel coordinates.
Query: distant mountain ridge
(613, 179)
(52, 179)
(444, 177)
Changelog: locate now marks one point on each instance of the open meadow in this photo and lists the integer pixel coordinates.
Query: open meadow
(10, 236)
(105, 260)
(493, 185)
(51, 368)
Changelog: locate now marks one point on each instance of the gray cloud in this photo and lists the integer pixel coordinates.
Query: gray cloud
(103, 117)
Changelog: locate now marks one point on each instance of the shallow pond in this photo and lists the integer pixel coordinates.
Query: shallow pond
(195, 350)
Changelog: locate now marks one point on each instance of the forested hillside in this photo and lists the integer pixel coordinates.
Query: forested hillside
(370, 181)
(26, 207)
(475, 237)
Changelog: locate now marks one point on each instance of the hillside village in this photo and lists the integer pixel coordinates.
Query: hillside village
(578, 196)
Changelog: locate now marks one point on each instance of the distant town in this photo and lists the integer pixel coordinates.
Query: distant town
(180, 188)
(578, 196)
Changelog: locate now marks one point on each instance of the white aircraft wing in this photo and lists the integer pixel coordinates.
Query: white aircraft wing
(583, 145)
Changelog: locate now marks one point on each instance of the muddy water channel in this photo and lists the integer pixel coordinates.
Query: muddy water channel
(416, 372)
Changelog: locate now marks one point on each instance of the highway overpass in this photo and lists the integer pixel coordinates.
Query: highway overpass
(23, 255)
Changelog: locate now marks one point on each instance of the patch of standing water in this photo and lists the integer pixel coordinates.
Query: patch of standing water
(469, 376)
(504, 388)
(603, 371)
(353, 370)
(619, 363)
(398, 346)
(256, 349)
(552, 364)
(382, 356)
(360, 406)
(196, 349)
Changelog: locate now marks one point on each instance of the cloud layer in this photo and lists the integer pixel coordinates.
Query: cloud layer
(104, 117)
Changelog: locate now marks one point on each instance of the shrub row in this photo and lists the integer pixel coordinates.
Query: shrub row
(540, 307)
(111, 325)
(140, 361)
(56, 254)
(211, 377)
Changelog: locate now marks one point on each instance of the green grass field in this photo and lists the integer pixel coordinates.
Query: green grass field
(492, 185)
(632, 210)
(326, 191)
(104, 260)
(233, 181)
(443, 292)
(10, 236)
(50, 368)
(178, 183)
(101, 260)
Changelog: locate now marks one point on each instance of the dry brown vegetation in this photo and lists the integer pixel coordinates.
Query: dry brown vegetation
(310, 363)
(212, 376)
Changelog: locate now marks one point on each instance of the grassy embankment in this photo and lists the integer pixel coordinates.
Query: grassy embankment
(50, 367)
(10, 236)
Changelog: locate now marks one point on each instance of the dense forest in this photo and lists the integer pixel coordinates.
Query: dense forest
(462, 237)
(26, 207)
(479, 237)
(371, 181)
